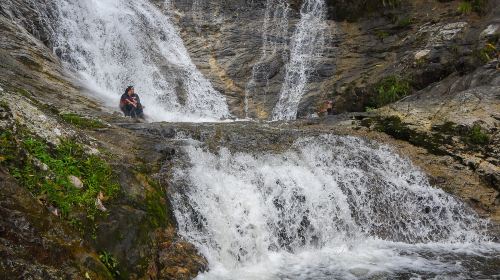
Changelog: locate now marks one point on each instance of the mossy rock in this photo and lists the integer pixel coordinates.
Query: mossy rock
(81, 122)
(396, 128)
(45, 171)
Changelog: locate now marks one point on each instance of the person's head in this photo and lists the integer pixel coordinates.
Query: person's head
(129, 90)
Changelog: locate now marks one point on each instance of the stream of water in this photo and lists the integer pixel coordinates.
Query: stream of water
(306, 48)
(329, 207)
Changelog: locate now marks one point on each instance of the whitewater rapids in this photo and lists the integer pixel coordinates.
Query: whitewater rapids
(330, 207)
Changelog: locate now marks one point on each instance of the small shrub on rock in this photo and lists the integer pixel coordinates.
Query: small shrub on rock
(477, 136)
(468, 6)
(391, 89)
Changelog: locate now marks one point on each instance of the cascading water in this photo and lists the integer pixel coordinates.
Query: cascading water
(306, 48)
(274, 34)
(114, 43)
(330, 207)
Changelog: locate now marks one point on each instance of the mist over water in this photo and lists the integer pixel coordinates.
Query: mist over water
(115, 43)
(330, 207)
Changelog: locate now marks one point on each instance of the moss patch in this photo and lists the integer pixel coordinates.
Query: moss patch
(404, 22)
(473, 136)
(45, 172)
(81, 122)
(157, 209)
(396, 128)
(4, 105)
(157, 205)
(441, 140)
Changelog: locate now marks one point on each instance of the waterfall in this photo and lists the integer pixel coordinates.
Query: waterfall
(306, 47)
(330, 207)
(274, 34)
(115, 43)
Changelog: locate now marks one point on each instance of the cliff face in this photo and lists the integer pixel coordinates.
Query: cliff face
(243, 47)
(422, 41)
(226, 41)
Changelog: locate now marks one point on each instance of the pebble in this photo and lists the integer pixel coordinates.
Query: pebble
(99, 205)
(75, 181)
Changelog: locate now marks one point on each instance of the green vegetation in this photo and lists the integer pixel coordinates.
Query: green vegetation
(110, 262)
(157, 213)
(486, 53)
(474, 136)
(396, 128)
(80, 121)
(381, 34)
(465, 7)
(391, 89)
(24, 93)
(4, 105)
(45, 172)
(468, 6)
(404, 22)
(369, 109)
(477, 136)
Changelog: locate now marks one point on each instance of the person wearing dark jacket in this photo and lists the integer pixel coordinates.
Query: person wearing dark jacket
(130, 104)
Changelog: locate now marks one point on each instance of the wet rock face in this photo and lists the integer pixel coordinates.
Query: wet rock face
(367, 40)
(424, 42)
(463, 111)
(26, 13)
(225, 41)
(177, 259)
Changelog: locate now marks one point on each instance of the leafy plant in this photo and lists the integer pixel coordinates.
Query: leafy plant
(477, 136)
(110, 262)
(486, 53)
(369, 109)
(465, 7)
(391, 89)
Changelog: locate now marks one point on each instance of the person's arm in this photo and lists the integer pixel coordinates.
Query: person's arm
(129, 101)
(139, 102)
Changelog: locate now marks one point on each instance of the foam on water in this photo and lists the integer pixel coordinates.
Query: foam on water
(330, 207)
(114, 43)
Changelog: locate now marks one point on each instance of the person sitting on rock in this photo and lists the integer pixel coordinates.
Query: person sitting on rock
(130, 104)
(326, 109)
